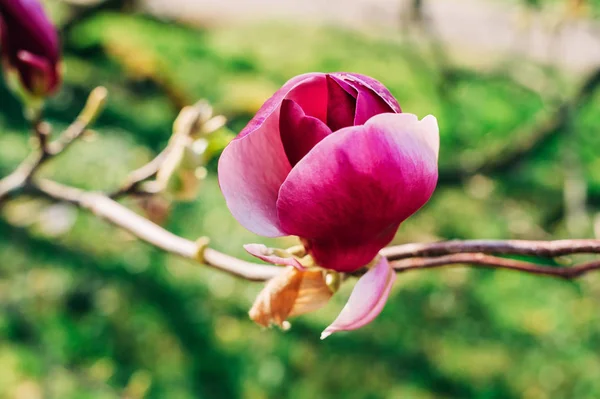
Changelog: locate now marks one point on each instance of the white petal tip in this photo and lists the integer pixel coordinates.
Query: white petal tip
(429, 118)
(325, 334)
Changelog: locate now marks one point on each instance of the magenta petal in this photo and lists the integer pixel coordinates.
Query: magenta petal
(367, 299)
(372, 98)
(25, 27)
(254, 165)
(272, 104)
(299, 133)
(34, 61)
(42, 72)
(266, 254)
(340, 104)
(311, 96)
(338, 77)
(347, 196)
(32, 29)
(375, 86)
(369, 104)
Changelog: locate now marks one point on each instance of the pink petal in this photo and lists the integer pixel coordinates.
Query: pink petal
(26, 28)
(372, 99)
(369, 104)
(254, 165)
(338, 77)
(340, 103)
(273, 103)
(347, 197)
(41, 75)
(374, 86)
(266, 254)
(311, 96)
(36, 31)
(299, 132)
(367, 299)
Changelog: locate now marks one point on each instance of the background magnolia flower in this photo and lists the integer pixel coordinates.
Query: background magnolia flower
(331, 159)
(29, 47)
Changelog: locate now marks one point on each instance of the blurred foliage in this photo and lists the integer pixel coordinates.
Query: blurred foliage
(88, 312)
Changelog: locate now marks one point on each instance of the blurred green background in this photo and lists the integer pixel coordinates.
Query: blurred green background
(86, 311)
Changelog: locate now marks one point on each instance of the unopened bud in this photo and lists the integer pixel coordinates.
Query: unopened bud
(30, 50)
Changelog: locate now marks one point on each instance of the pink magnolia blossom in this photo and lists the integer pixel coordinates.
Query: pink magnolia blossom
(330, 158)
(29, 46)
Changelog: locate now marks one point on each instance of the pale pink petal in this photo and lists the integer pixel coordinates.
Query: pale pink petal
(367, 299)
(254, 164)
(268, 255)
(347, 197)
(251, 170)
(431, 133)
(299, 132)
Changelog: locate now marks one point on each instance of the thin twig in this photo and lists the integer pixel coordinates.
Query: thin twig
(42, 135)
(548, 249)
(140, 175)
(494, 262)
(92, 109)
(187, 123)
(30, 165)
(17, 179)
(46, 149)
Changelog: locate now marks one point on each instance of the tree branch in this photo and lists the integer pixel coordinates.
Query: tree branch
(405, 257)
(478, 253)
(124, 218)
(17, 179)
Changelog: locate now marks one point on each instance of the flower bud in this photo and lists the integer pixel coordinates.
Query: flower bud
(29, 48)
(331, 158)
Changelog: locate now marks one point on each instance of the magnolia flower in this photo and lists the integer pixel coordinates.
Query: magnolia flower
(330, 158)
(29, 47)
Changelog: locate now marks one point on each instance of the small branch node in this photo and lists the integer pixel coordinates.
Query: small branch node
(201, 244)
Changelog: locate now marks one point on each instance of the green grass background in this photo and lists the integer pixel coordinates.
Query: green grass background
(89, 312)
